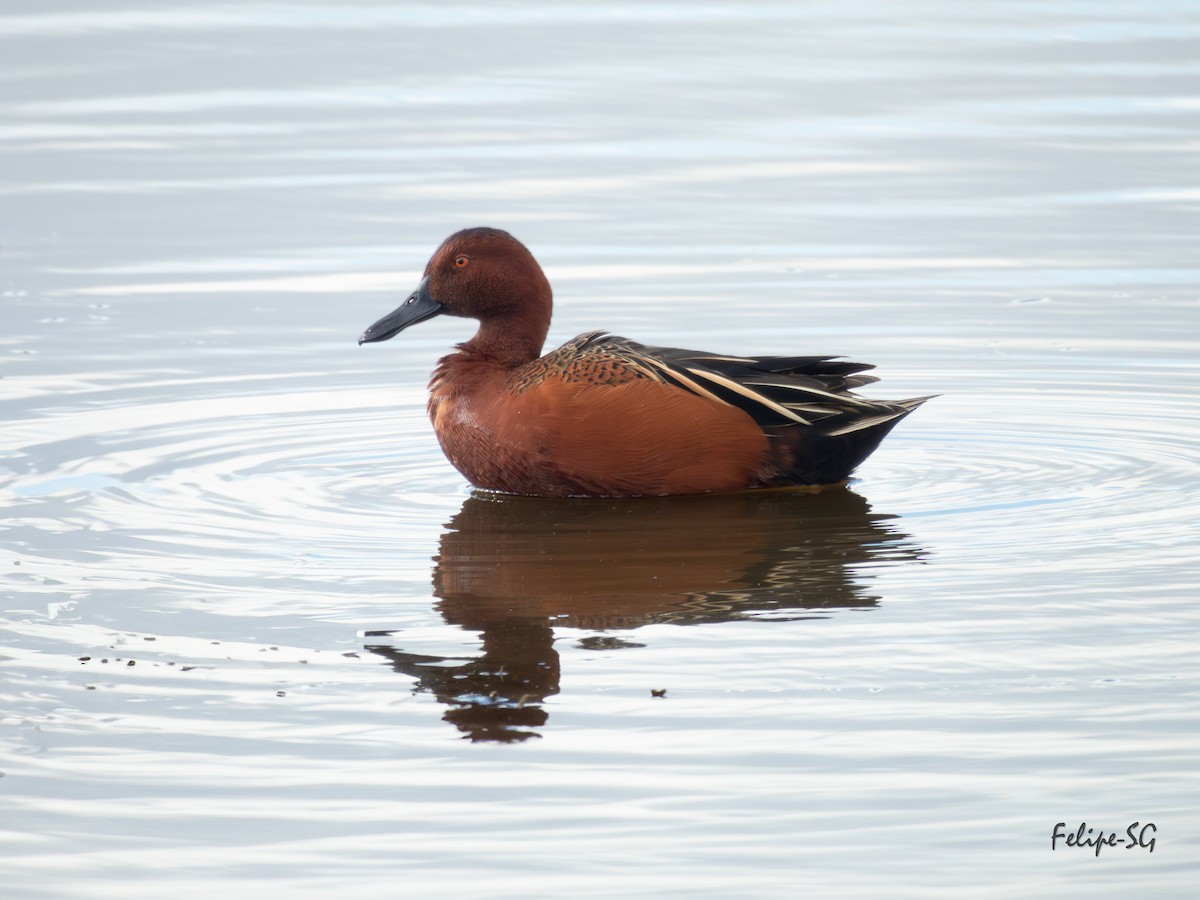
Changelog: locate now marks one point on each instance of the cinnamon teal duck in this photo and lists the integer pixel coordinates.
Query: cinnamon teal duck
(604, 416)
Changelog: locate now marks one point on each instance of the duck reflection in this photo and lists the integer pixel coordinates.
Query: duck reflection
(514, 568)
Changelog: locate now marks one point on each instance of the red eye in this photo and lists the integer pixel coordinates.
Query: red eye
(460, 261)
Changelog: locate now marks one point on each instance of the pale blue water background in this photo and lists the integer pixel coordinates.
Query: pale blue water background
(215, 496)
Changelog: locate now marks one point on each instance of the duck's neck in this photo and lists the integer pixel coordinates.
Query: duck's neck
(506, 342)
(497, 348)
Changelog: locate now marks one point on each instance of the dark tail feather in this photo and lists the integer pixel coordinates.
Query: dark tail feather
(828, 455)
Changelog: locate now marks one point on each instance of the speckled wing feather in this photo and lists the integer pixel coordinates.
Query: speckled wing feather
(776, 391)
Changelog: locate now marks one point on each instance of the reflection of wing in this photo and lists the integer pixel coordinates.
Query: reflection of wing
(623, 563)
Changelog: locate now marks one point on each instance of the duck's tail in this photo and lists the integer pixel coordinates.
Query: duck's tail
(828, 451)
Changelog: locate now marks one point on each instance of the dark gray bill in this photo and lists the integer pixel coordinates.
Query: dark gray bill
(417, 308)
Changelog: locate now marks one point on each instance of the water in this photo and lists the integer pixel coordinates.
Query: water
(260, 635)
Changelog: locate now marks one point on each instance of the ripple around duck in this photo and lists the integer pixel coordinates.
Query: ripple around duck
(219, 476)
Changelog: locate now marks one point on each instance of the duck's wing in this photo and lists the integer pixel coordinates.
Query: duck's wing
(775, 391)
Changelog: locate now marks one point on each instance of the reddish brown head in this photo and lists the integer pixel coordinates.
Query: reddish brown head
(484, 274)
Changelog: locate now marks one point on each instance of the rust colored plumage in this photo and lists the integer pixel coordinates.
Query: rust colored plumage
(606, 416)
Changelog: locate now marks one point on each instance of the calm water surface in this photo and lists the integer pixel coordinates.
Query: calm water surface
(258, 634)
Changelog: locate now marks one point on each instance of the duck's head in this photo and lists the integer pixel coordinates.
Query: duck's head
(477, 273)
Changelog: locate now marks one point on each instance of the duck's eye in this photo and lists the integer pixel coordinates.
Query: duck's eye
(460, 261)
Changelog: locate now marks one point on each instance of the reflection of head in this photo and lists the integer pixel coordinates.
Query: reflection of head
(511, 567)
(495, 696)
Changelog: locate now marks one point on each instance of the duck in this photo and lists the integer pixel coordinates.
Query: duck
(605, 416)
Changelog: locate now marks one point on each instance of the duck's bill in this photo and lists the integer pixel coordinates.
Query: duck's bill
(417, 308)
